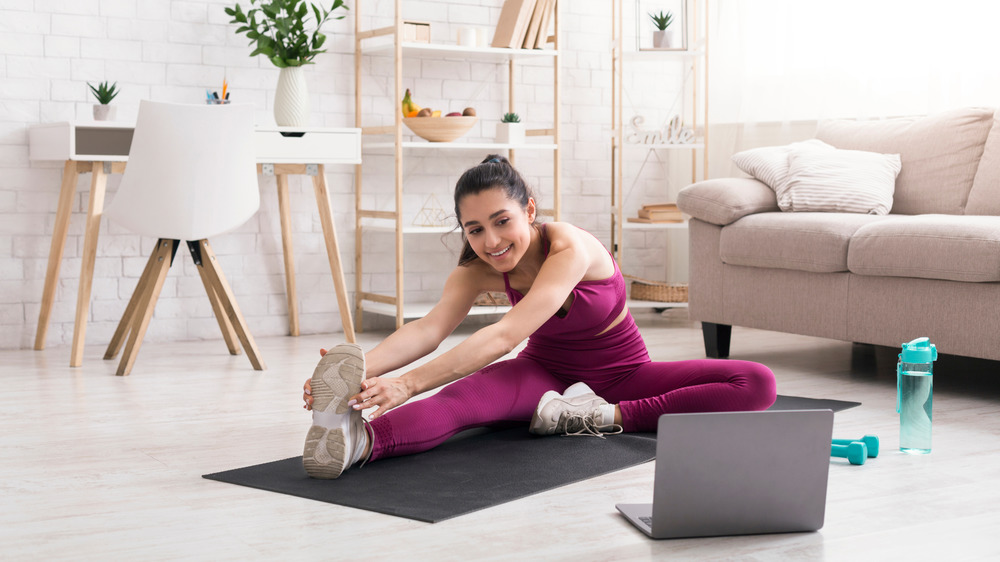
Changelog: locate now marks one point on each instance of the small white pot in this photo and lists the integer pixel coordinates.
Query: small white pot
(510, 133)
(663, 39)
(104, 112)
(291, 98)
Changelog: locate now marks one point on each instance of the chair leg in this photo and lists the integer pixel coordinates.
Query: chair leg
(125, 325)
(225, 294)
(228, 333)
(165, 250)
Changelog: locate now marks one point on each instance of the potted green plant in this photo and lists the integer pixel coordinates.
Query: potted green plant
(277, 30)
(103, 110)
(662, 37)
(510, 130)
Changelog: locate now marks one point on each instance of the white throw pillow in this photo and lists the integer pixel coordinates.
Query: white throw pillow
(769, 164)
(845, 181)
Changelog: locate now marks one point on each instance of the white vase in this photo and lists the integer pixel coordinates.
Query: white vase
(291, 98)
(663, 39)
(510, 133)
(104, 112)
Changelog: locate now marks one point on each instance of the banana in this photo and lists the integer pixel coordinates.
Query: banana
(408, 107)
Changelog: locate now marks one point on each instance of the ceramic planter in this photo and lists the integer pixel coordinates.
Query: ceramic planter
(663, 39)
(510, 133)
(291, 98)
(104, 112)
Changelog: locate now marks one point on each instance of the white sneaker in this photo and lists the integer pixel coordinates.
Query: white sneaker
(337, 438)
(575, 412)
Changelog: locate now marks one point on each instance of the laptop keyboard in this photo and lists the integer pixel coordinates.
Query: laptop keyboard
(648, 521)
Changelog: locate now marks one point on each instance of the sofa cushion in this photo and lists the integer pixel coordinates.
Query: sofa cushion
(984, 199)
(929, 247)
(844, 181)
(816, 242)
(940, 155)
(769, 164)
(722, 201)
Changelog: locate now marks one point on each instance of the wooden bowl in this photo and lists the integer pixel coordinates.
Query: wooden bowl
(440, 129)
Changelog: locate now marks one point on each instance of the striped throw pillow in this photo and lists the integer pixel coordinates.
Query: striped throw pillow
(769, 164)
(845, 181)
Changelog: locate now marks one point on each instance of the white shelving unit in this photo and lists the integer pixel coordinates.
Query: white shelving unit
(386, 41)
(693, 64)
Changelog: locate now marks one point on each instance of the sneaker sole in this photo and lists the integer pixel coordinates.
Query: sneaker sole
(337, 377)
(325, 453)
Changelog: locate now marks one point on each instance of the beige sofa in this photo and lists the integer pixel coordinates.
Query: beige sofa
(931, 267)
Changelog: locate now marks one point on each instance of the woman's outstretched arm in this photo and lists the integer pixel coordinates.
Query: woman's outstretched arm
(565, 266)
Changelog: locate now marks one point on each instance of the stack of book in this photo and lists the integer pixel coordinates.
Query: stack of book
(659, 212)
(524, 24)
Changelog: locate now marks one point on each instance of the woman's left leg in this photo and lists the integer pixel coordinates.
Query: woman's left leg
(698, 385)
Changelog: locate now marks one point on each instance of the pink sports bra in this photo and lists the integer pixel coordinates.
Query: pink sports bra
(596, 304)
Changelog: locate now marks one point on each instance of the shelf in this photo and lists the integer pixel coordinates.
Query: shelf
(654, 225)
(479, 54)
(665, 146)
(387, 225)
(419, 310)
(655, 54)
(638, 305)
(460, 145)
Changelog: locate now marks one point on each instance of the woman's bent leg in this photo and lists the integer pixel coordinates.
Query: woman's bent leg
(699, 385)
(504, 391)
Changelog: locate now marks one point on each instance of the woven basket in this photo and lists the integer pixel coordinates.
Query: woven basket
(657, 291)
(492, 299)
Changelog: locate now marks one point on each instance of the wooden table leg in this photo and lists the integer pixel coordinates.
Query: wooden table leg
(333, 252)
(284, 211)
(98, 182)
(63, 214)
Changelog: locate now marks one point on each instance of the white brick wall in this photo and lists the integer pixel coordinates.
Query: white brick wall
(172, 50)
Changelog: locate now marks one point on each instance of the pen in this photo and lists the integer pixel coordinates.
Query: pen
(208, 94)
(215, 95)
(224, 86)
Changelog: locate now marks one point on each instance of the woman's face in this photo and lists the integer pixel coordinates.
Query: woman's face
(498, 229)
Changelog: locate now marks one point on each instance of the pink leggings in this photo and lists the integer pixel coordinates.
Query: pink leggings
(509, 391)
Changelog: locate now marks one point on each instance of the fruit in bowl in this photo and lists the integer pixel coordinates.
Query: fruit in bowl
(440, 129)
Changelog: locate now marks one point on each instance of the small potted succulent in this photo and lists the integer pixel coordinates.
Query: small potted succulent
(663, 36)
(103, 110)
(510, 130)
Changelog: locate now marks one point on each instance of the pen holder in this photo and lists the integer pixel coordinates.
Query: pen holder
(216, 102)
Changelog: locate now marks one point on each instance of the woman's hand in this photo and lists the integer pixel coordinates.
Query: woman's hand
(383, 394)
(307, 387)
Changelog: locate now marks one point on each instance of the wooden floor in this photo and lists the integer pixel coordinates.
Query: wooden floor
(94, 466)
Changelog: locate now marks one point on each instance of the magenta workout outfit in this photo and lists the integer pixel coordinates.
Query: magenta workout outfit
(567, 349)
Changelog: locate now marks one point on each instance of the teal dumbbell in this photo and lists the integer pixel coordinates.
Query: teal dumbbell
(855, 452)
(870, 441)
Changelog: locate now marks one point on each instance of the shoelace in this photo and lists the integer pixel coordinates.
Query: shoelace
(574, 423)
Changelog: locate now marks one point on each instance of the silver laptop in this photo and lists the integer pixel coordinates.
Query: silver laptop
(737, 473)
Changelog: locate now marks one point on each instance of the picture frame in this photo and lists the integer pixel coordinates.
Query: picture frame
(675, 38)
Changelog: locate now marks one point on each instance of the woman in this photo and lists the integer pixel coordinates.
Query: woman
(568, 296)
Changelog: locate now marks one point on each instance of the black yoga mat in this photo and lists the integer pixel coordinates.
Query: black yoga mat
(469, 472)
(474, 470)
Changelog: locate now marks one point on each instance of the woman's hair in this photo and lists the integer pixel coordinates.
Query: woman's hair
(493, 172)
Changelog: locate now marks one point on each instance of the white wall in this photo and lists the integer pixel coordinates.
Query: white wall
(174, 50)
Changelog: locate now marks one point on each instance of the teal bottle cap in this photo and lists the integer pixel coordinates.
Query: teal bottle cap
(920, 350)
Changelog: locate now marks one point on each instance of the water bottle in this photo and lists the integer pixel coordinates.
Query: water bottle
(914, 395)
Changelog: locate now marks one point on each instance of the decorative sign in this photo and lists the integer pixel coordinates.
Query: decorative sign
(673, 133)
(432, 214)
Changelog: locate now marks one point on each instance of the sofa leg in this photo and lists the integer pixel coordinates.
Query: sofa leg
(717, 338)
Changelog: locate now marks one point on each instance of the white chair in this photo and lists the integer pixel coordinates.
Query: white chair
(190, 175)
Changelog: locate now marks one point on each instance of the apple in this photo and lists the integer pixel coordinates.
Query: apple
(454, 114)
